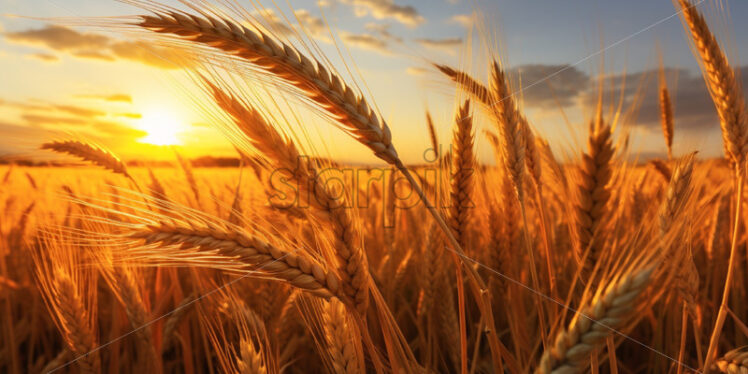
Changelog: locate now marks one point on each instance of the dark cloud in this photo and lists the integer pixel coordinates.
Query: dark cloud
(381, 9)
(547, 86)
(693, 108)
(94, 46)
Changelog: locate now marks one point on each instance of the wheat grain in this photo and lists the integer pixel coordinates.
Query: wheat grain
(572, 348)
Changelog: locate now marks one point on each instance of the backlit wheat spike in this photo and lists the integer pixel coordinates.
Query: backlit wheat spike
(89, 152)
(510, 129)
(721, 81)
(250, 251)
(249, 360)
(340, 336)
(570, 352)
(463, 170)
(677, 193)
(72, 314)
(467, 83)
(352, 260)
(189, 174)
(593, 192)
(734, 362)
(282, 60)
(666, 117)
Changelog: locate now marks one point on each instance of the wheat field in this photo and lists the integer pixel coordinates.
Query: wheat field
(295, 263)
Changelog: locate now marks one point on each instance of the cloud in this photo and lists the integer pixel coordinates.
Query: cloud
(547, 86)
(312, 24)
(142, 52)
(59, 38)
(122, 98)
(94, 55)
(40, 120)
(79, 111)
(366, 42)
(693, 108)
(46, 57)
(382, 9)
(448, 45)
(415, 70)
(93, 46)
(383, 30)
(130, 115)
(464, 20)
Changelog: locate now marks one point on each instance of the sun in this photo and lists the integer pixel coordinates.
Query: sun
(162, 127)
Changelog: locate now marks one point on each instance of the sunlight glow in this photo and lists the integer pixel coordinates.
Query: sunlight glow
(162, 127)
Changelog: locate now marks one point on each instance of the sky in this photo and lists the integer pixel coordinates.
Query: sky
(126, 93)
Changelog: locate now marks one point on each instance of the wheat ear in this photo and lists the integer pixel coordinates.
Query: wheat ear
(351, 258)
(463, 169)
(327, 90)
(572, 348)
(677, 194)
(71, 314)
(666, 117)
(734, 362)
(249, 360)
(720, 79)
(339, 334)
(251, 252)
(91, 153)
(310, 76)
(593, 192)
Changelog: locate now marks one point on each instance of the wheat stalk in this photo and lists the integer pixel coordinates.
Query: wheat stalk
(432, 135)
(572, 348)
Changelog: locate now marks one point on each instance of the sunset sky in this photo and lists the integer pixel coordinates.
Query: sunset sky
(102, 85)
